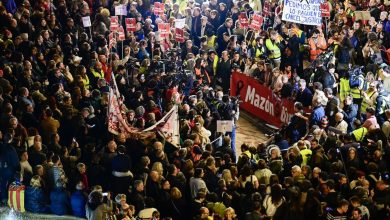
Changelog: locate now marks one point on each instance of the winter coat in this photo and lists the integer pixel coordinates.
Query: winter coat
(59, 202)
(98, 213)
(78, 201)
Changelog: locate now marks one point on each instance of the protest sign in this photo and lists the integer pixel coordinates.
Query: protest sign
(362, 15)
(257, 21)
(163, 28)
(302, 12)
(179, 35)
(266, 8)
(325, 10)
(180, 23)
(120, 10)
(224, 126)
(159, 8)
(130, 24)
(121, 33)
(86, 21)
(243, 20)
(114, 23)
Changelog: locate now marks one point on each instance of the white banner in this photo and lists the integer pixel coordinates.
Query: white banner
(224, 126)
(302, 11)
(120, 10)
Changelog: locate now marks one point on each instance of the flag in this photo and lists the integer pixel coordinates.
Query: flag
(168, 127)
(11, 6)
(179, 35)
(16, 197)
(130, 24)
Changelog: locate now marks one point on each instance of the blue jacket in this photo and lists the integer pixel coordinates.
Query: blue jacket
(35, 200)
(317, 115)
(59, 202)
(78, 201)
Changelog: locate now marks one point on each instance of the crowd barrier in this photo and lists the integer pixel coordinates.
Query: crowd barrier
(260, 100)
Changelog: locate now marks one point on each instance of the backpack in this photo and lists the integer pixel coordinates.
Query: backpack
(355, 80)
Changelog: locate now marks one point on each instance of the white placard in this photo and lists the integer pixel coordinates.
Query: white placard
(86, 21)
(302, 11)
(224, 126)
(120, 10)
(180, 23)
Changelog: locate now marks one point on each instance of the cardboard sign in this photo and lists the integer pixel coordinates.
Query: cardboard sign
(159, 8)
(121, 34)
(163, 28)
(325, 10)
(180, 23)
(179, 35)
(120, 10)
(302, 12)
(114, 24)
(243, 20)
(224, 126)
(86, 21)
(257, 21)
(362, 15)
(130, 24)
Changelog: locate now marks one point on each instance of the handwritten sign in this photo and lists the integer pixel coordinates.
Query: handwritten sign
(303, 12)
(86, 21)
(120, 10)
(224, 126)
(180, 23)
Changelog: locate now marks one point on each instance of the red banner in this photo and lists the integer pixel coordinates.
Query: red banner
(164, 29)
(261, 101)
(130, 24)
(257, 22)
(159, 8)
(179, 35)
(243, 20)
(325, 10)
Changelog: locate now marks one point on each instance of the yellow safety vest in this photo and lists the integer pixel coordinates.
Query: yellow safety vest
(211, 41)
(96, 74)
(272, 46)
(306, 154)
(259, 52)
(344, 88)
(85, 81)
(215, 64)
(360, 133)
(365, 104)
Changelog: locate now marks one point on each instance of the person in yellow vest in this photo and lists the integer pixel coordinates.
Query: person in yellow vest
(317, 44)
(369, 96)
(357, 92)
(345, 89)
(258, 51)
(272, 45)
(96, 73)
(82, 71)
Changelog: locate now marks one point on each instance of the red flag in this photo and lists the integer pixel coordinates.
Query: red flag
(130, 24)
(257, 22)
(163, 28)
(114, 24)
(179, 35)
(243, 20)
(325, 10)
(159, 8)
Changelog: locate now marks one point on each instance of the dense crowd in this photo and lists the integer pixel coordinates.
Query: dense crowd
(330, 162)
